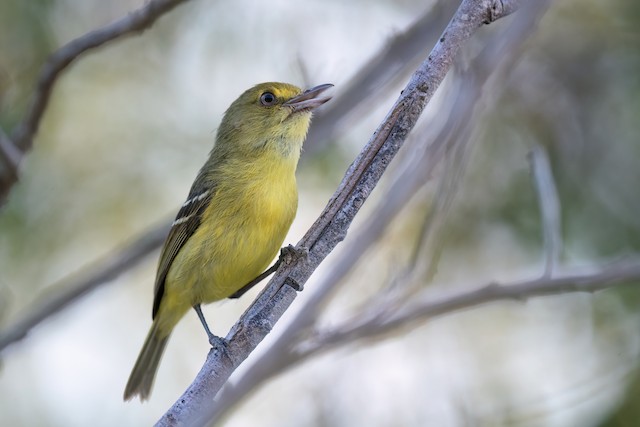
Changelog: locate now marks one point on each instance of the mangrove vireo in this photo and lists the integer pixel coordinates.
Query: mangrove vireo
(236, 216)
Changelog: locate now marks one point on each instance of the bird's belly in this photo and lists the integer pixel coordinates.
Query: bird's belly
(233, 247)
(237, 261)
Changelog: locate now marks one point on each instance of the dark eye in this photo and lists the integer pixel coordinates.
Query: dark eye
(267, 99)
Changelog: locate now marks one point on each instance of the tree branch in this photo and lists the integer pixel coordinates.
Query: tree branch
(136, 21)
(79, 284)
(425, 307)
(331, 227)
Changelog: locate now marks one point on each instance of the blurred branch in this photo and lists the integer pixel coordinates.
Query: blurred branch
(485, 76)
(397, 58)
(79, 284)
(549, 207)
(135, 22)
(331, 227)
(400, 55)
(424, 307)
(455, 165)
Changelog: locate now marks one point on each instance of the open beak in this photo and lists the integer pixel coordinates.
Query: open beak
(309, 99)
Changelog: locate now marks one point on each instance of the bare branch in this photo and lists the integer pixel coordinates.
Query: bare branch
(79, 284)
(425, 307)
(549, 203)
(136, 21)
(332, 226)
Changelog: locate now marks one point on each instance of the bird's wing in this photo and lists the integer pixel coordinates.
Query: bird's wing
(186, 223)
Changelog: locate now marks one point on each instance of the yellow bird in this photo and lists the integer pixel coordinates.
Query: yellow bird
(236, 216)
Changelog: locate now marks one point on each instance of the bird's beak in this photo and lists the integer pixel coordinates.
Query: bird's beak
(309, 99)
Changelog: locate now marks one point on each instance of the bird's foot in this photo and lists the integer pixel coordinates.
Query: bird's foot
(290, 254)
(217, 342)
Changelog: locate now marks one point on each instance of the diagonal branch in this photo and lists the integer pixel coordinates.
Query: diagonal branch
(331, 227)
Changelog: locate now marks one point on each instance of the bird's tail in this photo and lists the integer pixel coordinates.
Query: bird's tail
(144, 371)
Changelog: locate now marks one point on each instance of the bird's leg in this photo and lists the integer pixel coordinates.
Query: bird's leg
(255, 281)
(214, 340)
(287, 255)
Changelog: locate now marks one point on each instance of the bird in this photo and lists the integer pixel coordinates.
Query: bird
(235, 217)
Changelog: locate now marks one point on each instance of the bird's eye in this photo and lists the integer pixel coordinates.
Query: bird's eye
(267, 99)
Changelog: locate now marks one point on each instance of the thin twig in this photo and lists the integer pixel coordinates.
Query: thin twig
(549, 204)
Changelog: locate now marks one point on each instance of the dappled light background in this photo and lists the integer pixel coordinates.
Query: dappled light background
(129, 126)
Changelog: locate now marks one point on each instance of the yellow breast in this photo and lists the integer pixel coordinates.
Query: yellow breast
(241, 232)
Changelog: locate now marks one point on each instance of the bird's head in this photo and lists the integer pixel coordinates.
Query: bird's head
(270, 116)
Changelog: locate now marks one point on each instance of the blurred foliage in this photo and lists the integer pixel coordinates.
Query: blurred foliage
(580, 100)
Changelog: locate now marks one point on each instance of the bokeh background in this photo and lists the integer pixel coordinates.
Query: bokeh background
(129, 126)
